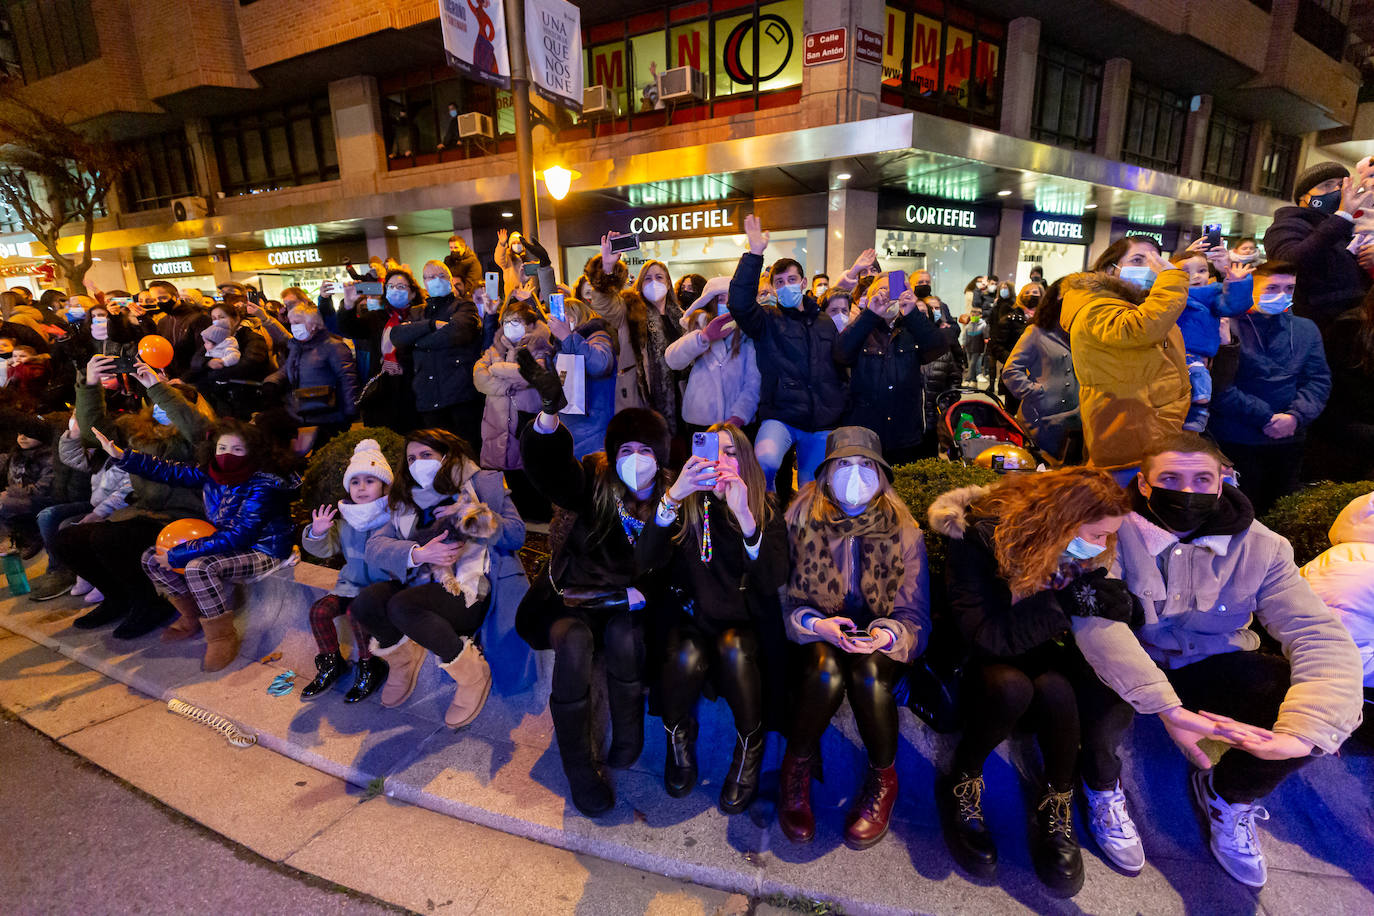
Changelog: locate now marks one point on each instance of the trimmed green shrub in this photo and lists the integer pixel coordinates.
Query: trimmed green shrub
(323, 479)
(1306, 516)
(920, 484)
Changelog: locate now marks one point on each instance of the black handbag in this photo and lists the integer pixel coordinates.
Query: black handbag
(932, 685)
(313, 400)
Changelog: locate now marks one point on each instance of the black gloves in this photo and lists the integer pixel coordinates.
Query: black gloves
(549, 386)
(1097, 595)
(539, 251)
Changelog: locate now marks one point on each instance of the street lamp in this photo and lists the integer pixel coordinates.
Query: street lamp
(558, 180)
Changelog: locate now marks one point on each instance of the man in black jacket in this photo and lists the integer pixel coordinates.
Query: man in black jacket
(462, 263)
(1315, 236)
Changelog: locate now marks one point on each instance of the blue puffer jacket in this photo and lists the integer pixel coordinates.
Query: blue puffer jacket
(1207, 305)
(1282, 370)
(254, 515)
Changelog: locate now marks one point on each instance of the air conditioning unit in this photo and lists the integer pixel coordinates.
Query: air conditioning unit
(184, 208)
(474, 124)
(599, 100)
(681, 83)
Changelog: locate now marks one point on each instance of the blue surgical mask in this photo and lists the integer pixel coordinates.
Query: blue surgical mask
(438, 286)
(397, 297)
(1274, 303)
(75, 314)
(790, 295)
(300, 332)
(160, 416)
(1080, 549)
(1141, 275)
(374, 305)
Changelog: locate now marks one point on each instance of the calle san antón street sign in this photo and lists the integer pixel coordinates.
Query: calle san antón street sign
(823, 47)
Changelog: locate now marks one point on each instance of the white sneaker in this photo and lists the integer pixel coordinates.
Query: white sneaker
(1233, 837)
(1112, 827)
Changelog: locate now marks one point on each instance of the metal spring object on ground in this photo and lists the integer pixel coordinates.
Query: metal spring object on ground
(231, 732)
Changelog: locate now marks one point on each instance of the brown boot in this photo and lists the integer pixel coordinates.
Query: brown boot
(221, 641)
(473, 676)
(867, 821)
(405, 659)
(187, 623)
(795, 818)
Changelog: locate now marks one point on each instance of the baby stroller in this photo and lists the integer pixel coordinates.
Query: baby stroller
(991, 422)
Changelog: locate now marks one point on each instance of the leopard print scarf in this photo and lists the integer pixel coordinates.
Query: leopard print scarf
(818, 582)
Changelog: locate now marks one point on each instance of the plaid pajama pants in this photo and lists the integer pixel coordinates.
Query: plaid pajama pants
(322, 614)
(207, 578)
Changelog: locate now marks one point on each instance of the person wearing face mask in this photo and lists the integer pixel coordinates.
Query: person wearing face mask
(585, 333)
(1245, 252)
(944, 371)
(449, 538)
(370, 321)
(17, 312)
(595, 594)
(975, 339)
(1021, 554)
(1281, 386)
(688, 289)
(653, 321)
(443, 343)
(30, 472)
(1205, 573)
(1007, 322)
(802, 390)
(1128, 355)
(858, 603)
(723, 373)
(1039, 374)
(463, 264)
(451, 138)
(722, 539)
(510, 400)
(212, 371)
(319, 378)
(1315, 237)
(248, 504)
(838, 306)
(511, 254)
(29, 380)
(885, 351)
(180, 322)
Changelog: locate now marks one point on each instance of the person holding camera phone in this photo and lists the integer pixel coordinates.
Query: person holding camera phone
(723, 382)
(722, 539)
(858, 601)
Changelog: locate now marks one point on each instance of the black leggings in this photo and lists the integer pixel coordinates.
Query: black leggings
(827, 673)
(428, 614)
(1050, 691)
(109, 555)
(691, 657)
(574, 637)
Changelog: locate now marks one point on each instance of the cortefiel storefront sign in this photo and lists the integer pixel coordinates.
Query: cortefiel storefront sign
(715, 218)
(276, 259)
(930, 214)
(193, 266)
(1165, 236)
(1051, 227)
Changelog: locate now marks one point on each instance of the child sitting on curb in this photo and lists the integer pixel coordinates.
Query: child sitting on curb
(368, 479)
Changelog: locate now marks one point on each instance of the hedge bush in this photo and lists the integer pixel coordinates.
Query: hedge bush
(323, 480)
(919, 484)
(1305, 517)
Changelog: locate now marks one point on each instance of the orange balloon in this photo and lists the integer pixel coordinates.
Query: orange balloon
(156, 351)
(179, 532)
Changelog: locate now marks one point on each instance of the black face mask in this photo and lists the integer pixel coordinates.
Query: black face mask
(1329, 202)
(687, 297)
(1179, 511)
(922, 290)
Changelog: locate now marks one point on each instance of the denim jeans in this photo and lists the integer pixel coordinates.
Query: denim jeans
(50, 519)
(773, 441)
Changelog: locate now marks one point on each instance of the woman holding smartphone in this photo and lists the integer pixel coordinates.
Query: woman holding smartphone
(721, 537)
(858, 603)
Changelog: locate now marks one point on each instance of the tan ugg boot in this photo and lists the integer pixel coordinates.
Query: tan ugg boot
(471, 672)
(221, 641)
(187, 623)
(405, 659)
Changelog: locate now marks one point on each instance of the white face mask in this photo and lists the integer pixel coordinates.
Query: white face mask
(841, 320)
(364, 516)
(100, 328)
(300, 332)
(222, 322)
(854, 485)
(424, 470)
(515, 330)
(637, 470)
(655, 291)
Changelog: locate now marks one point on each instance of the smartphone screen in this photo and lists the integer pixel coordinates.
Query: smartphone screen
(493, 284)
(706, 445)
(530, 269)
(625, 242)
(1213, 233)
(368, 288)
(556, 309)
(896, 283)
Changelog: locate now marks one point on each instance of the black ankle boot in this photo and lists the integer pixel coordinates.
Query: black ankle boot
(331, 666)
(680, 760)
(1058, 861)
(103, 614)
(591, 793)
(960, 797)
(372, 672)
(742, 781)
(626, 699)
(144, 617)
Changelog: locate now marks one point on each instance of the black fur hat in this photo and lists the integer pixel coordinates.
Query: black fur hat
(638, 424)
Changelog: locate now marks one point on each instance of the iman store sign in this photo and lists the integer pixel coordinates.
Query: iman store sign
(899, 211)
(328, 255)
(1050, 227)
(716, 218)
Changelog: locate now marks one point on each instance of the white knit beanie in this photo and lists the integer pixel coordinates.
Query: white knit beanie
(368, 459)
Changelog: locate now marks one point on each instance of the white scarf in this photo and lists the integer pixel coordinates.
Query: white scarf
(364, 516)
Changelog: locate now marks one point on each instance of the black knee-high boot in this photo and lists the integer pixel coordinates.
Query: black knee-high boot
(591, 793)
(626, 699)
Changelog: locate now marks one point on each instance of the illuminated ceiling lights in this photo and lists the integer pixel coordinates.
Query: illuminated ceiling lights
(937, 180)
(1063, 200)
(694, 190)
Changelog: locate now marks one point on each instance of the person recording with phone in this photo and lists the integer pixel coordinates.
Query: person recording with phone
(370, 315)
(578, 331)
(723, 381)
(858, 602)
(722, 539)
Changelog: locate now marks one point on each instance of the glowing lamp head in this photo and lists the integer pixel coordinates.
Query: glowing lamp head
(558, 180)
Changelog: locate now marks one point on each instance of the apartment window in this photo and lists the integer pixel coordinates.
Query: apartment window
(163, 173)
(944, 59)
(52, 36)
(1323, 23)
(277, 148)
(1067, 89)
(415, 113)
(1154, 128)
(1276, 169)
(1228, 140)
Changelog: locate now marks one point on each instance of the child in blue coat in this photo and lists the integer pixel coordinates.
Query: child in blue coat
(248, 505)
(1208, 303)
(368, 480)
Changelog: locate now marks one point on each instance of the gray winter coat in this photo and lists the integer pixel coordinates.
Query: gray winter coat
(342, 537)
(1039, 372)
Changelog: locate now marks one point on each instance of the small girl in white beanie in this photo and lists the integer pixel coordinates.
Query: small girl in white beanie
(368, 480)
(221, 344)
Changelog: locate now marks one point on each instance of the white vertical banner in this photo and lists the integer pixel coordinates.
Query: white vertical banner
(553, 43)
(475, 39)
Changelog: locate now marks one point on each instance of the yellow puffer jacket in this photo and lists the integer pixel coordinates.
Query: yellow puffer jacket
(1128, 356)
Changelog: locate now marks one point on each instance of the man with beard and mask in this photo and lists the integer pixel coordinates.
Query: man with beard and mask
(1315, 236)
(1281, 386)
(1204, 570)
(180, 323)
(462, 262)
(803, 391)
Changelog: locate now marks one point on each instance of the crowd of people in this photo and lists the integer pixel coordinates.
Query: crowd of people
(717, 456)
